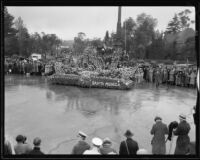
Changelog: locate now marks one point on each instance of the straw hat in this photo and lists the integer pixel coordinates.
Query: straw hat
(97, 141)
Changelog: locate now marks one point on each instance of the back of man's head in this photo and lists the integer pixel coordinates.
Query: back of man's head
(37, 141)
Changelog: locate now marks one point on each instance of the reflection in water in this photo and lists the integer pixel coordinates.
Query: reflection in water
(88, 102)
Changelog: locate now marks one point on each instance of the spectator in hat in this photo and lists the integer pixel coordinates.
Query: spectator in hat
(82, 145)
(21, 147)
(159, 130)
(183, 139)
(97, 142)
(107, 147)
(128, 146)
(36, 150)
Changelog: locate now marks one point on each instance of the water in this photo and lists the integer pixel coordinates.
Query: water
(56, 113)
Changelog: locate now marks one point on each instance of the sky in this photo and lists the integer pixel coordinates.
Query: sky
(66, 22)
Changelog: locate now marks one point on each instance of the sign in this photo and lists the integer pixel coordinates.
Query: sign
(104, 82)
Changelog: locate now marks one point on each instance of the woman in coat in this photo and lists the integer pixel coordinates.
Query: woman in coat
(183, 140)
(159, 130)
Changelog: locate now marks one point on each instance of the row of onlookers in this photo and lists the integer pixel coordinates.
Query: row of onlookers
(24, 66)
(184, 77)
(22, 147)
(127, 147)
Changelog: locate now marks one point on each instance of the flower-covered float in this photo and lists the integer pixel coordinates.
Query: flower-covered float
(91, 71)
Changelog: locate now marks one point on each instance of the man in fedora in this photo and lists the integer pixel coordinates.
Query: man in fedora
(183, 140)
(82, 145)
(97, 142)
(107, 147)
(129, 146)
(159, 130)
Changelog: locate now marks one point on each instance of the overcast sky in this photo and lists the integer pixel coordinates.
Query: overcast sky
(66, 22)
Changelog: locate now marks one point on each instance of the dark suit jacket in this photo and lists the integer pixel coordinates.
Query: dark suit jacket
(132, 147)
(36, 151)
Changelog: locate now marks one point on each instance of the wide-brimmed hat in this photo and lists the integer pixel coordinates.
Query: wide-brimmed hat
(128, 133)
(97, 141)
(182, 116)
(82, 134)
(157, 118)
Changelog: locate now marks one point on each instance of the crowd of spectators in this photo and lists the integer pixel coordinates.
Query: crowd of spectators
(171, 75)
(160, 131)
(23, 66)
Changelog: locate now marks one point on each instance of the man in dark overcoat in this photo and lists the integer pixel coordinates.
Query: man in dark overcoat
(159, 130)
(129, 146)
(183, 139)
(82, 145)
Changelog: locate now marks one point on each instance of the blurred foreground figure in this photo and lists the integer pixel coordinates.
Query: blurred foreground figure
(183, 139)
(21, 147)
(81, 146)
(36, 149)
(159, 130)
(97, 142)
(142, 152)
(129, 146)
(107, 147)
(7, 147)
(172, 126)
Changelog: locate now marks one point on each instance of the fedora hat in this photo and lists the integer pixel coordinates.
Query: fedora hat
(157, 118)
(128, 133)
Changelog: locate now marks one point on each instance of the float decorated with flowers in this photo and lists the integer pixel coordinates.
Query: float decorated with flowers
(91, 71)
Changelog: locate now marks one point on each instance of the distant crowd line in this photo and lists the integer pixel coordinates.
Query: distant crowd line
(170, 75)
(24, 67)
(127, 147)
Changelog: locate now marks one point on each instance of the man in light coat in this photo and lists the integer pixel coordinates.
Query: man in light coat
(159, 130)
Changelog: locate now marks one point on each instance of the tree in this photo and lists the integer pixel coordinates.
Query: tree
(156, 49)
(180, 22)
(107, 39)
(128, 31)
(10, 39)
(144, 33)
(96, 42)
(9, 30)
(50, 43)
(22, 37)
(79, 43)
(174, 25)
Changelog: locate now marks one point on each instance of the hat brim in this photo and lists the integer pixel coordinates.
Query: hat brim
(183, 118)
(128, 134)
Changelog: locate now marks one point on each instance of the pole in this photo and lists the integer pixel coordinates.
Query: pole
(125, 36)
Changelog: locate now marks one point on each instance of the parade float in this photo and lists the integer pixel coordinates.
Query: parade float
(92, 70)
